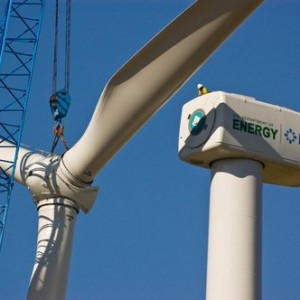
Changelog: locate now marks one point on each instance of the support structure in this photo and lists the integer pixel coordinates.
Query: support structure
(234, 246)
(57, 219)
(20, 23)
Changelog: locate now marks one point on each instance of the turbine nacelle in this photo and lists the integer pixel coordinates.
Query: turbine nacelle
(219, 126)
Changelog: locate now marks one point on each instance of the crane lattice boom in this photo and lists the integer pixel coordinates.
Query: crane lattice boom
(20, 23)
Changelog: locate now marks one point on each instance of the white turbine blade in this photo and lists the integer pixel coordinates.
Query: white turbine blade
(150, 78)
(25, 158)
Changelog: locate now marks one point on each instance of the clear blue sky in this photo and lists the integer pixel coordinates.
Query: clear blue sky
(146, 237)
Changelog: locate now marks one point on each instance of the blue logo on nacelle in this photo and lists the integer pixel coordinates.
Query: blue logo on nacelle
(197, 122)
(290, 136)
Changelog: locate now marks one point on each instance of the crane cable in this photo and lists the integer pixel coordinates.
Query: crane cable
(68, 44)
(60, 99)
(54, 77)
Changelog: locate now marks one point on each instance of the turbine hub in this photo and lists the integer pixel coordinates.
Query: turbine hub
(45, 180)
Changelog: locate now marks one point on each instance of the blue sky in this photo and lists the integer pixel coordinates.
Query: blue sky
(146, 236)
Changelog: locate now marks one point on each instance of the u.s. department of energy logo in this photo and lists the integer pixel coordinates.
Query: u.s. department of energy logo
(265, 130)
(197, 122)
(290, 136)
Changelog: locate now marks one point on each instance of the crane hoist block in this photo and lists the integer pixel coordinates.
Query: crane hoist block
(60, 103)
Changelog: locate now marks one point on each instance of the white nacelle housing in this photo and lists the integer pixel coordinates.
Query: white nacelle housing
(219, 125)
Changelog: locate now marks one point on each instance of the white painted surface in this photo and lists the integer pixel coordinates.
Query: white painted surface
(237, 126)
(151, 77)
(55, 234)
(234, 244)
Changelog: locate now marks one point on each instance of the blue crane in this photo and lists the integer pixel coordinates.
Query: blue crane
(20, 24)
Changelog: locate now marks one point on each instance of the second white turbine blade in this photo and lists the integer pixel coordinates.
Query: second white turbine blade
(150, 78)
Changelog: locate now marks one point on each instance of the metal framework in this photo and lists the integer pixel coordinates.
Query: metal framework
(20, 23)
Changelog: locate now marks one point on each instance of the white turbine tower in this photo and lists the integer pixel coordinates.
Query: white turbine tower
(245, 142)
(61, 186)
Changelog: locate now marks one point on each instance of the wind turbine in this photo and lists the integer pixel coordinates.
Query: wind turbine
(244, 142)
(61, 186)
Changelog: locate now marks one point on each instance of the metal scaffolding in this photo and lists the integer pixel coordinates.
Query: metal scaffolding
(20, 23)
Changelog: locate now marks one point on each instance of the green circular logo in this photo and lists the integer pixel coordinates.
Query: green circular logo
(197, 122)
